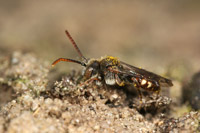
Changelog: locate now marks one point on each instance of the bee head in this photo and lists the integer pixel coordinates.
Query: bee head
(92, 69)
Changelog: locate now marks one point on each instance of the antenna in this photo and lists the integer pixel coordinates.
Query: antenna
(67, 60)
(75, 46)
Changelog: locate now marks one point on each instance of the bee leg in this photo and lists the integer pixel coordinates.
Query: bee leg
(89, 81)
(136, 84)
(119, 81)
(157, 93)
(140, 94)
(156, 89)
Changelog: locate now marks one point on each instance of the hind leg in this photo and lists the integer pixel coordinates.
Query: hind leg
(137, 86)
(156, 89)
(140, 94)
(157, 93)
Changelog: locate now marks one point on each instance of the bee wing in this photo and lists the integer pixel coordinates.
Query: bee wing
(141, 73)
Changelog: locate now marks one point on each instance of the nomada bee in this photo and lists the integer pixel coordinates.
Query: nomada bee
(111, 71)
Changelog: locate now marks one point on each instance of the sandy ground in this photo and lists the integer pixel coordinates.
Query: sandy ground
(33, 102)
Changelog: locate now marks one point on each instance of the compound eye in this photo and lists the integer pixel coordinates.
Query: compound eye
(92, 69)
(88, 72)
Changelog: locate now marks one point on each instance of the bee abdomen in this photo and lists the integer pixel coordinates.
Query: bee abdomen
(148, 85)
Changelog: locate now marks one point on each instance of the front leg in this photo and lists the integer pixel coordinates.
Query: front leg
(89, 81)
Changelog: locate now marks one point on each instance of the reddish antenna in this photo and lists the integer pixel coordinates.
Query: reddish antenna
(75, 46)
(77, 49)
(67, 60)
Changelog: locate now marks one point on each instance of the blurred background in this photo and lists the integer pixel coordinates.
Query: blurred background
(153, 35)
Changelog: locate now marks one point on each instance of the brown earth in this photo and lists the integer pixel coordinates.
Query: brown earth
(33, 102)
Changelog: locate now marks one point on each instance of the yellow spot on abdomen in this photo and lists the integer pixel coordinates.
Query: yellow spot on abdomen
(143, 82)
(149, 84)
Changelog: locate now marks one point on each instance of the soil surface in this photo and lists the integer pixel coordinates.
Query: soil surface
(33, 99)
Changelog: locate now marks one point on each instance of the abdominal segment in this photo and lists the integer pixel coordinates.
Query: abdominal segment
(146, 84)
(149, 85)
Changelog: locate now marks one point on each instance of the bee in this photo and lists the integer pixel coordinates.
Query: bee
(111, 71)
